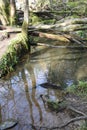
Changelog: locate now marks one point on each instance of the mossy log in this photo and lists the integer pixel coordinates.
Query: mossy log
(63, 38)
(65, 25)
(17, 48)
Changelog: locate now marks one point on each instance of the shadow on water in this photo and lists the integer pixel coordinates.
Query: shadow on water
(20, 91)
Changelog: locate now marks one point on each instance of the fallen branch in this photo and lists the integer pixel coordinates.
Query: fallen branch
(62, 126)
(70, 121)
(76, 111)
(61, 37)
(76, 39)
(84, 117)
(51, 36)
(57, 46)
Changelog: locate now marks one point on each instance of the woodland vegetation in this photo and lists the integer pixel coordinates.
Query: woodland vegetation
(62, 20)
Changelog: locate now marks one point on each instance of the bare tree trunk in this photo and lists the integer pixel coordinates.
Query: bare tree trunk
(26, 23)
(51, 3)
(26, 17)
(12, 12)
(4, 12)
(26, 11)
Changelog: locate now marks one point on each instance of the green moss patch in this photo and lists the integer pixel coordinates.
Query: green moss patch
(17, 48)
(80, 89)
(56, 106)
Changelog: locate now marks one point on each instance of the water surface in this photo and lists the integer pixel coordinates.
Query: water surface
(20, 91)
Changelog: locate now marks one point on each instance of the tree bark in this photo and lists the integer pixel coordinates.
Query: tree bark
(26, 22)
(51, 36)
(4, 9)
(26, 17)
(12, 12)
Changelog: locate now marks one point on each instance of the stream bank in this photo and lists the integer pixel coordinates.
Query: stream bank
(13, 46)
(21, 90)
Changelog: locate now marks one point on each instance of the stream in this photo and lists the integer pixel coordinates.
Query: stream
(20, 91)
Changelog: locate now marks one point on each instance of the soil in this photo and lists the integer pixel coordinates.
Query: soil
(76, 108)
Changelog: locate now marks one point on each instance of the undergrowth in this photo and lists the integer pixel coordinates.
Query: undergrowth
(80, 89)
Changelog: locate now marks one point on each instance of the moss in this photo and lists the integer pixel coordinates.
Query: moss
(17, 48)
(80, 89)
(56, 106)
(24, 27)
(50, 21)
(13, 20)
(82, 33)
(4, 11)
(79, 7)
(35, 19)
(84, 127)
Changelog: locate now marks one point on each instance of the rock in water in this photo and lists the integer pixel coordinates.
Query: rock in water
(8, 124)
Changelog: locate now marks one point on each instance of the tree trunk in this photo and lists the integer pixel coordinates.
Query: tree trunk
(26, 22)
(26, 17)
(4, 12)
(51, 3)
(12, 12)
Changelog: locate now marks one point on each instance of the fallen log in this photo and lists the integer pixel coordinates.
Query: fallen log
(75, 39)
(66, 38)
(70, 21)
(66, 25)
(70, 28)
(51, 36)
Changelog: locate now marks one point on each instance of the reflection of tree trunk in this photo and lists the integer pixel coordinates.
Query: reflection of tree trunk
(0, 114)
(27, 95)
(32, 75)
(36, 103)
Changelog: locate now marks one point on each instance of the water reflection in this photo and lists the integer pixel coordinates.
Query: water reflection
(0, 115)
(20, 92)
(33, 80)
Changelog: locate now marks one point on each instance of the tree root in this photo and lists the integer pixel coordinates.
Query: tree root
(76, 111)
